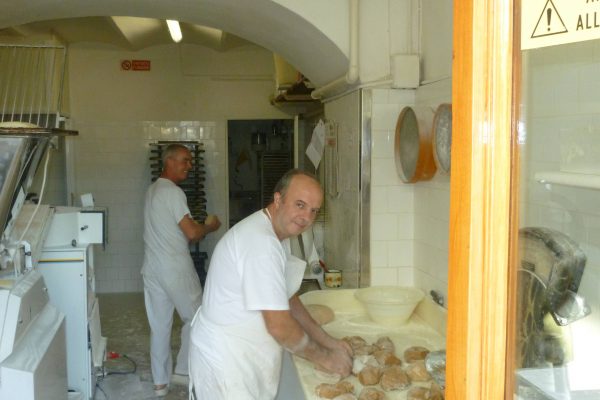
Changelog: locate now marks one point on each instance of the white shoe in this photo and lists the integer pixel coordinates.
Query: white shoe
(178, 379)
(161, 390)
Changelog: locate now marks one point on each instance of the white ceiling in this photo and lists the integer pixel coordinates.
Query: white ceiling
(309, 35)
(132, 33)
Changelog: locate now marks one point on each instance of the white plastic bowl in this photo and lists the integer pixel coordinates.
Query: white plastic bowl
(389, 305)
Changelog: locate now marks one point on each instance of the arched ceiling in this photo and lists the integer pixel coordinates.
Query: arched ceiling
(219, 24)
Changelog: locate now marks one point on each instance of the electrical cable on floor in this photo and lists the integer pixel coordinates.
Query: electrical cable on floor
(102, 390)
(112, 355)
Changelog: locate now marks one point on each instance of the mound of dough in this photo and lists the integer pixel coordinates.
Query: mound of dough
(361, 362)
(436, 392)
(345, 396)
(320, 313)
(394, 378)
(385, 343)
(364, 350)
(17, 124)
(417, 372)
(415, 353)
(369, 375)
(329, 391)
(417, 393)
(355, 341)
(371, 394)
(385, 358)
(327, 377)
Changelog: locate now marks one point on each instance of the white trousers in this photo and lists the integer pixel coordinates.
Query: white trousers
(163, 295)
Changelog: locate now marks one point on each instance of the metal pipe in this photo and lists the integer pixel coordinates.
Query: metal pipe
(40, 85)
(61, 87)
(7, 88)
(18, 70)
(25, 87)
(50, 87)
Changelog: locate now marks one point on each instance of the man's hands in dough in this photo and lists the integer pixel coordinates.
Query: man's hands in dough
(338, 361)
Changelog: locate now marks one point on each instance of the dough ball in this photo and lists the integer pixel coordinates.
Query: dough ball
(331, 391)
(327, 377)
(355, 341)
(345, 386)
(328, 391)
(320, 313)
(369, 375)
(415, 353)
(417, 372)
(385, 358)
(385, 343)
(394, 378)
(364, 350)
(17, 124)
(436, 392)
(345, 396)
(371, 394)
(417, 393)
(360, 362)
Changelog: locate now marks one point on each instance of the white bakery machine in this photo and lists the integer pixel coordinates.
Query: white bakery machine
(45, 315)
(51, 342)
(32, 331)
(67, 264)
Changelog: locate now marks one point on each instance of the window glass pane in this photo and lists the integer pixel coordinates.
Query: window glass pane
(558, 316)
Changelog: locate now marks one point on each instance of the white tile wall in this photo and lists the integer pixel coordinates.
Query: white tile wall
(409, 222)
(392, 202)
(112, 163)
(432, 208)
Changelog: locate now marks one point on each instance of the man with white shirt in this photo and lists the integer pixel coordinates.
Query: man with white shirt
(250, 310)
(170, 280)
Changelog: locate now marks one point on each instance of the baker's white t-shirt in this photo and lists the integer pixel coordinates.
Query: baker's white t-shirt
(165, 244)
(246, 273)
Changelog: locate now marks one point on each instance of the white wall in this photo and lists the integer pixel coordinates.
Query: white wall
(409, 222)
(436, 40)
(432, 209)
(118, 113)
(392, 202)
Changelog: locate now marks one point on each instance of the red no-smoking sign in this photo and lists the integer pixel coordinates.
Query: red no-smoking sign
(135, 65)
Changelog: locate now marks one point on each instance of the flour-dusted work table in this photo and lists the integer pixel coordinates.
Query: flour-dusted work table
(426, 327)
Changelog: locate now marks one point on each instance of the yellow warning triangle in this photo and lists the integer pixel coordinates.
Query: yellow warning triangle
(549, 23)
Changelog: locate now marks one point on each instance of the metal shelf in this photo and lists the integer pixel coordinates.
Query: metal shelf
(36, 132)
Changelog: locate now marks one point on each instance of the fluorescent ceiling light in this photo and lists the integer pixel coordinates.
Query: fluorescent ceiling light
(174, 30)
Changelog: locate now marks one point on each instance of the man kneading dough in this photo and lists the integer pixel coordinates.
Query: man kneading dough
(250, 310)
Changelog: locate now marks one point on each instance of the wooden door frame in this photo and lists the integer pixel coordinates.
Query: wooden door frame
(482, 211)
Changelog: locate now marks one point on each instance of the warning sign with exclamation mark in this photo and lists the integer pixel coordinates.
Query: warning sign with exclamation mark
(549, 23)
(552, 22)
